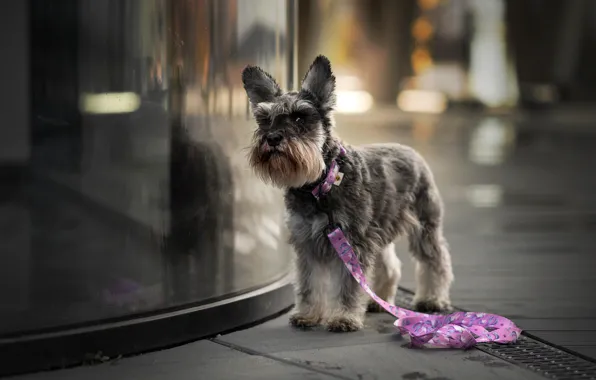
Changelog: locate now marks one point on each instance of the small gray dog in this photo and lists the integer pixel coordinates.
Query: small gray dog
(387, 190)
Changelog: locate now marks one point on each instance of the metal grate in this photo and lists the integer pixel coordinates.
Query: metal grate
(530, 353)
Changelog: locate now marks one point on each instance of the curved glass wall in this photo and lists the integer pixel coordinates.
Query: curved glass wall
(125, 187)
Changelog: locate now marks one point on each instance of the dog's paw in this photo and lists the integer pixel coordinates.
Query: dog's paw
(303, 321)
(432, 306)
(344, 325)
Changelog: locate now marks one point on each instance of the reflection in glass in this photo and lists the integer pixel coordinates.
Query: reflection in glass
(139, 198)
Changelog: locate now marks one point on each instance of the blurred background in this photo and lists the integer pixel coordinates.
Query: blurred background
(125, 193)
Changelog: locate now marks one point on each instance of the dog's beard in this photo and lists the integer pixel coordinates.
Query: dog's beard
(292, 164)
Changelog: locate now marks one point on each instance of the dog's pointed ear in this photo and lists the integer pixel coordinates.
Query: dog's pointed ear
(320, 81)
(259, 85)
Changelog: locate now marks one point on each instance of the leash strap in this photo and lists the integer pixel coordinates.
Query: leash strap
(457, 330)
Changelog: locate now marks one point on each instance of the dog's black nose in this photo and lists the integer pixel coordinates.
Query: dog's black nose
(274, 139)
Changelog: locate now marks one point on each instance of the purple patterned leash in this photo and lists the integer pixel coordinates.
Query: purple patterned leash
(457, 330)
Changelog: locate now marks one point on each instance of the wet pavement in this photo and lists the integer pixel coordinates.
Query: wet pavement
(520, 216)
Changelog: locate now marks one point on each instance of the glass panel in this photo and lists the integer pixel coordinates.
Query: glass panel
(136, 196)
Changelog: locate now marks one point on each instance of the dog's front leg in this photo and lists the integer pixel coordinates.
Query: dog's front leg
(348, 300)
(312, 281)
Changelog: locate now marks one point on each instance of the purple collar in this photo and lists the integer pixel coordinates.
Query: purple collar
(333, 176)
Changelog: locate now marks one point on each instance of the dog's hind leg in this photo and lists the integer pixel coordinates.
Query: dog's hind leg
(434, 273)
(386, 277)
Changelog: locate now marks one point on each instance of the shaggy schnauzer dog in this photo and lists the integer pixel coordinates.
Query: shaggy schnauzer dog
(387, 190)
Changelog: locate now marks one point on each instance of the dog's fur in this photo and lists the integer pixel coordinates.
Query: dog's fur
(387, 191)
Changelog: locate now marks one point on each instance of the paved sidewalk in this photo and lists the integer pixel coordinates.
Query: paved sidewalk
(520, 217)
(276, 351)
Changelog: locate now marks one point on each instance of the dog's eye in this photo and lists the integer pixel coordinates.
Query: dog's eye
(297, 118)
(263, 121)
